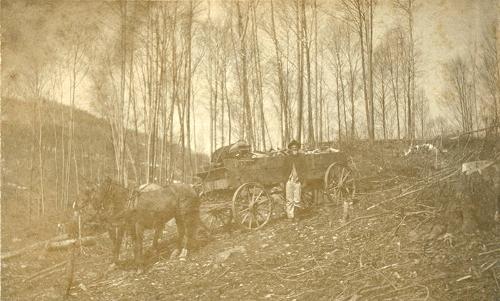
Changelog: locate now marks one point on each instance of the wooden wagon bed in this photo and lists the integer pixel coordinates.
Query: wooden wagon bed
(244, 186)
(269, 171)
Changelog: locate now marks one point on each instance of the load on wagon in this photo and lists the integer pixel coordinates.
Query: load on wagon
(244, 186)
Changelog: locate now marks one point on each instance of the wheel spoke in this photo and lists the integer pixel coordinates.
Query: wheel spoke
(257, 222)
(252, 206)
(255, 199)
(250, 221)
(345, 177)
(249, 199)
(333, 182)
(245, 217)
(341, 178)
(260, 219)
(211, 222)
(265, 210)
(263, 201)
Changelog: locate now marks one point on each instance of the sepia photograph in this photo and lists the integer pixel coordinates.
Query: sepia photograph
(293, 150)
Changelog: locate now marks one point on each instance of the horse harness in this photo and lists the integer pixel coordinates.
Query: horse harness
(116, 220)
(136, 193)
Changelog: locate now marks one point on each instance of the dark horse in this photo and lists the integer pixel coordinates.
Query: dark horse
(149, 207)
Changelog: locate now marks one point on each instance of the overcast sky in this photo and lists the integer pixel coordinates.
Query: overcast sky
(443, 29)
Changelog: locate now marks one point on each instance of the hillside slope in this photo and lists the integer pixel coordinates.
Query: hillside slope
(94, 157)
(407, 248)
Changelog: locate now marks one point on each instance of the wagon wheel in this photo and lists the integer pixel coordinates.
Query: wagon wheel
(252, 206)
(218, 219)
(339, 182)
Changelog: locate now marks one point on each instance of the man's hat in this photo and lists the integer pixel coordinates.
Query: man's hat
(294, 143)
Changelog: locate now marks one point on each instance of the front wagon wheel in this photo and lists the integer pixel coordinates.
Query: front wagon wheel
(252, 206)
(339, 182)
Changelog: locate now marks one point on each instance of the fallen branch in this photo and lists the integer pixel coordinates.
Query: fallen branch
(426, 185)
(224, 273)
(495, 276)
(61, 245)
(395, 198)
(383, 276)
(489, 266)
(464, 278)
(39, 244)
(46, 272)
(489, 252)
(403, 289)
(360, 218)
(370, 289)
(475, 131)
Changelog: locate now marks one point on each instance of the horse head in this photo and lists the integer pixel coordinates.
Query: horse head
(110, 199)
(94, 201)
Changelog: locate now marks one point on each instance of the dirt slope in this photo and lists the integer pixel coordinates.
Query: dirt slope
(405, 249)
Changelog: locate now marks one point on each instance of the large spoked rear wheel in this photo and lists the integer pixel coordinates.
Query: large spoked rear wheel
(252, 206)
(339, 182)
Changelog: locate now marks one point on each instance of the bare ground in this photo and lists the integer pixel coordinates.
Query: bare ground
(418, 247)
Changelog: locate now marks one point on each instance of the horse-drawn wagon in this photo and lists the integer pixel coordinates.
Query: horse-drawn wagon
(245, 188)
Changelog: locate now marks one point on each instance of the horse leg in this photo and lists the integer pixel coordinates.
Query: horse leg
(158, 231)
(120, 231)
(139, 237)
(191, 226)
(112, 236)
(180, 232)
(133, 237)
(184, 242)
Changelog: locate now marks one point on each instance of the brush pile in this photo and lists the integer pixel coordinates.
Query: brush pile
(420, 229)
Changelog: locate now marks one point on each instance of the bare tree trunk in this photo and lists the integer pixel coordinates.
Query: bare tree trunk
(242, 30)
(341, 82)
(188, 84)
(215, 100)
(370, 66)
(223, 98)
(305, 45)
(323, 123)
(281, 82)
(230, 126)
(40, 156)
(382, 99)
(352, 79)
(407, 7)
(363, 64)
(300, 73)
(393, 73)
(337, 75)
(211, 105)
(63, 158)
(172, 161)
(258, 71)
(77, 177)
(32, 157)
(316, 99)
(72, 124)
(56, 165)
